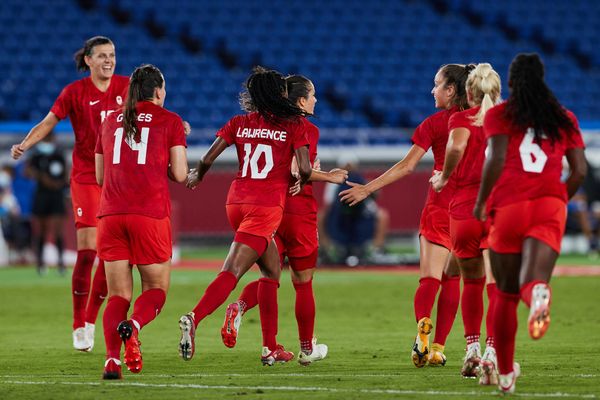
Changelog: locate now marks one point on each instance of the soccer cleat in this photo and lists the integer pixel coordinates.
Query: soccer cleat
(231, 325)
(319, 352)
(89, 333)
(80, 340)
(539, 314)
(188, 331)
(420, 349)
(279, 355)
(488, 372)
(133, 354)
(507, 383)
(112, 369)
(436, 356)
(471, 364)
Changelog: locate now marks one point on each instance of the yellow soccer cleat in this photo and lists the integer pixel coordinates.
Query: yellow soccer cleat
(436, 356)
(420, 349)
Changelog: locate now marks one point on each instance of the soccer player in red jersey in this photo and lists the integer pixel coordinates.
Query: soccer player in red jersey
(522, 193)
(296, 238)
(437, 268)
(465, 153)
(138, 150)
(266, 140)
(87, 102)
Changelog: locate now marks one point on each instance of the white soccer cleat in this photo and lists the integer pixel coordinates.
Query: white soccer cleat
(539, 314)
(80, 340)
(89, 332)
(319, 352)
(507, 383)
(488, 373)
(471, 364)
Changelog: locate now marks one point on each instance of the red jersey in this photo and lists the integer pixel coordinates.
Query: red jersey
(86, 106)
(265, 150)
(531, 170)
(433, 133)
(304, 202)
(467, 175)
(135, 174)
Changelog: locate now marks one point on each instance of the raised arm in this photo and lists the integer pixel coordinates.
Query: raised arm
(37, 133)
(406, 166)
(455, 149)
(492, 168)
(195, 175)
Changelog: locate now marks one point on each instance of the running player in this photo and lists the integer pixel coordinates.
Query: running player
(436, 267)
(138, 149)
(296, 238)
(266, 139)
(86, 102)
(465, 153)
(528, 136)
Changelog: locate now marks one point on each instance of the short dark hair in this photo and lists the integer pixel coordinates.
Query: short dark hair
(87, 50)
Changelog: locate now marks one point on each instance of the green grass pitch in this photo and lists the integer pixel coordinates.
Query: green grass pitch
(366, 319)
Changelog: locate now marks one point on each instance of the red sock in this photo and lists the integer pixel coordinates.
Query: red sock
(115, 312)
(526, 291)
(80, 283)
(447, 307)
(489, 317)
(472, 306)
(98, 294)
(267, 304)
(305, 314)
(425, 296)
(215, 294)
(249, 296)
(505, 313)
(148, 306)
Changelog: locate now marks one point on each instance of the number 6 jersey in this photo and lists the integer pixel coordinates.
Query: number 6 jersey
(265, 150)
(135, 172)
(531, 170)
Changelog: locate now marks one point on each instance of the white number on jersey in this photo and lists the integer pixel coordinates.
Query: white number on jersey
(251, 159)
(140, 147)
(533, 157)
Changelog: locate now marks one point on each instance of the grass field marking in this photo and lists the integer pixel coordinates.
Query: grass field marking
(307, 389)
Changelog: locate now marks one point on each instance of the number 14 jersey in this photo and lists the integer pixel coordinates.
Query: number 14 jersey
(531, 170)
(135, 172)
(265, 150)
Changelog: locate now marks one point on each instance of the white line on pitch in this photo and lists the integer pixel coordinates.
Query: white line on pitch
(305, 389)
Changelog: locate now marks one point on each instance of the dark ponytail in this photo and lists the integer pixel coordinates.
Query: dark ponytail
(87, 50)
(142, 83)
(531, 103)
(298, 87)
(266, 93)
(457, 74)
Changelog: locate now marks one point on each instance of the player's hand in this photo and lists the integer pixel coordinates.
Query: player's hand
(479, 211)
(16, 151)
(338, 175)
(192, 179)
(187, 128)
(437, 181)
(296, 188)
(354, 195)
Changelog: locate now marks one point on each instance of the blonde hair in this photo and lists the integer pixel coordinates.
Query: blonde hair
(483, 84)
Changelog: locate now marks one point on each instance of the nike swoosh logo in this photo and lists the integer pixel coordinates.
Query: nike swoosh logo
(94, 102)
(76, 293)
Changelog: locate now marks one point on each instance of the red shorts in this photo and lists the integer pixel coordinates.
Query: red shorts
(137, 238)
(86, 201)
(435, 225)
(543, 219)
(254, 220)
(469, 237)
(298, 238)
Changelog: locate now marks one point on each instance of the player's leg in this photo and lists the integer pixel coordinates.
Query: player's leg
(489, 363)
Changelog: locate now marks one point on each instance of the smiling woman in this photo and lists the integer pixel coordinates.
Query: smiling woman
(87, 102)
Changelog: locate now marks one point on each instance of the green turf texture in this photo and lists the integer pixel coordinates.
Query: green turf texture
(366, 318)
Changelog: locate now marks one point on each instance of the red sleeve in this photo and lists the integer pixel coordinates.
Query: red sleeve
(574, 139)
(63, 104)
(493, 123)
(459, 120)
(177, 134)
(422, 135)
(300, 135)
(99, 139)
(227, 132)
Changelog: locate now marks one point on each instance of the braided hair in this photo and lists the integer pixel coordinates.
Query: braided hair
(531, 103)
(266, 93)
(457, 74)
(87, 50)
(142, 83)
